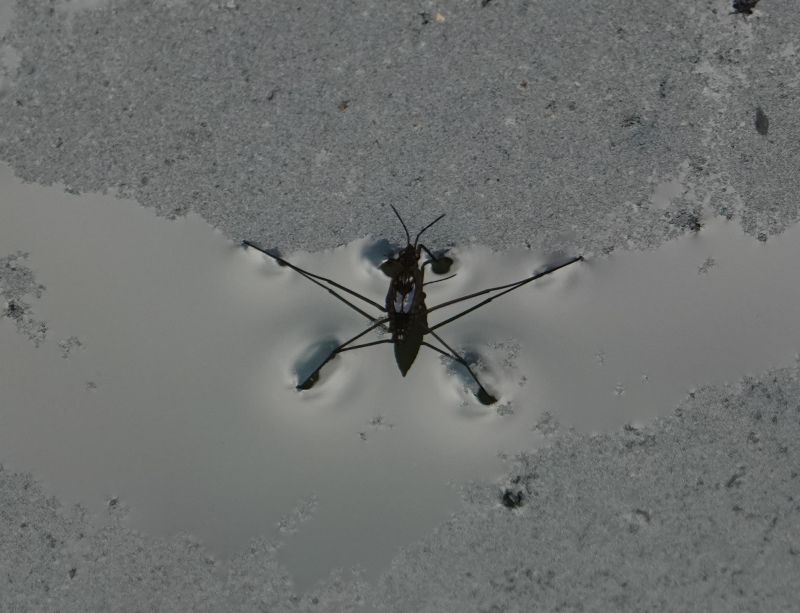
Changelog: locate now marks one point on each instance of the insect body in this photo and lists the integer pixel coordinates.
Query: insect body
(405, 312)
(408, 317)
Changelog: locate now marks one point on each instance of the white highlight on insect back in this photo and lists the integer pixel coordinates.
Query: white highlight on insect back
(404, 300)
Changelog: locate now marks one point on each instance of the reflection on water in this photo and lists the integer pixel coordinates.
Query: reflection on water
(178, 390)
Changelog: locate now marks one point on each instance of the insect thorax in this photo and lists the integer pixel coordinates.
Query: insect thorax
(402, 294)
(405, 303)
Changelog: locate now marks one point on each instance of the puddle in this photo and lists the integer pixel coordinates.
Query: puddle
(167, 376)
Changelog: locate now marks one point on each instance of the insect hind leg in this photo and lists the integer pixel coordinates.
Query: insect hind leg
(483, 396)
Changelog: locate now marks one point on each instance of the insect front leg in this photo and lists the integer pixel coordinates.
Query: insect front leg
(508, 287)
(440, 265)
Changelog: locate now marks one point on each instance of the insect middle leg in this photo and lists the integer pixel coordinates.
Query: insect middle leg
(311, 379)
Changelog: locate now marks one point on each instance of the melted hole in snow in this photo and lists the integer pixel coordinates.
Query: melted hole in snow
(178, 395)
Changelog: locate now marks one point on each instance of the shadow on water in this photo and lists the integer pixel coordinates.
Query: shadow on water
(465, 380)
(310, 359)
(379, 251)
(442, 264)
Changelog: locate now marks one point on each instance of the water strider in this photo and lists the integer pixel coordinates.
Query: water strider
(406, 313)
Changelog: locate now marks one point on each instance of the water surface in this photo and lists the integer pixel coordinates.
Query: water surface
(179, 395)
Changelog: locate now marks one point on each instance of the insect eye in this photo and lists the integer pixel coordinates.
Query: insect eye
(391, 268)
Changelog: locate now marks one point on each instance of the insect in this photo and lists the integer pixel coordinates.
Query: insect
(404, 312)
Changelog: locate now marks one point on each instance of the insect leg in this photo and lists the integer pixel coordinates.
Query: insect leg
(484, 396)
(317, 279)
(428, 251)
(314, 376)
(440, 265)
(437, 280)
(370, 344)
(509, 287)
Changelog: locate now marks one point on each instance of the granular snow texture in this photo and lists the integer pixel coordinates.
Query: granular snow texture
(698, 512)
(546, 123)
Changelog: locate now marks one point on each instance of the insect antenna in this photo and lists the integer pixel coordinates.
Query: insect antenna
(408, 236)
(416, 240)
